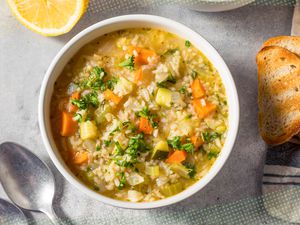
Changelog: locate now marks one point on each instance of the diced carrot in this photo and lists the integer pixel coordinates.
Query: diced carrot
(177, 157)
(69, 126)
(145, 126)
(75, 95)
(80, 158)
(203, 108)
(196, 141)
(197, 89)
(138, 76)
(109, 95)
(142, 55)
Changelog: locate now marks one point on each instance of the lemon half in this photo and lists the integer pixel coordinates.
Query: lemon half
(48, 17)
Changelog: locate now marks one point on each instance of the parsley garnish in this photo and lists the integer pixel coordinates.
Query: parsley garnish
(188, 147)
(111, 83)
(182, 90)
(78, 117)
(147, 114)
(128, 157)
(194, 74)
(212, 154)
(175, 143)
(192, 170)
(128, 63)
(98, 148)
(187, 43)
(90, 99)
(209, 136)
(107, 143)
(122, 181)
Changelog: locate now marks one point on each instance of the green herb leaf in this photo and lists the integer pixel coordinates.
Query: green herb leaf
(128, 63)
(98, 148)
(90, 99)
(111, 83)
(118, 150)
(147, 114)
(182, 90)
(107, 143)
(192, 170)
(209, 136)
(175, 143)
(212, 154)
(188, 147)
(122, 181)
(187, 43)
(194, 74)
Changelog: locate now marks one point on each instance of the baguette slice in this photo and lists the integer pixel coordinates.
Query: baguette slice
(291, 43)
(278, 94)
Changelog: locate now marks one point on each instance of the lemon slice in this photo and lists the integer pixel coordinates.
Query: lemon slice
(48, 17)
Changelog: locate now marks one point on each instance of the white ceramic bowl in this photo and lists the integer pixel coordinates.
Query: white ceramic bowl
(123, 22)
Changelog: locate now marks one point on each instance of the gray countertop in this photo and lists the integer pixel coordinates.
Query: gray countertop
(237, 35)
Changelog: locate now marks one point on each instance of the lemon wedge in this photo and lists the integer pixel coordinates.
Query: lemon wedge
(48, 17)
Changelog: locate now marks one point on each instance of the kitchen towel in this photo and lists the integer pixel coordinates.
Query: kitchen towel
(281, 172)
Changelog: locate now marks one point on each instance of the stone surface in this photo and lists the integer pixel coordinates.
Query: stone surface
(237, 35)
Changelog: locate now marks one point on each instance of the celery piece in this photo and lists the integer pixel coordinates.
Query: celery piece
(180, 169)
(171, 189)
(88, 130)
(152, 171)
(163, 97)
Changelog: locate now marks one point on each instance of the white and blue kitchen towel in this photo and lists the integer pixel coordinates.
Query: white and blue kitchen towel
(281, 172)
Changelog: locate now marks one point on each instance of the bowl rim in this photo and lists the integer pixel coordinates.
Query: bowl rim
(166, 24)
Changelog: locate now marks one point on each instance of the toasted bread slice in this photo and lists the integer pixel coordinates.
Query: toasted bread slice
(278, 94)
(291, 43)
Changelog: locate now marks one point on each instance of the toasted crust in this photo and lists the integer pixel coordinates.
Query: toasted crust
(291, 43)
(278, 94)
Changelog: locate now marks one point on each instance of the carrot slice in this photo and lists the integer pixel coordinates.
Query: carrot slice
(142, 55)
(177, 157)
(145, 126)
(75, 95)
(196, 141)
(138, 76)
(203, 108)
(80, 158)
(197, 89)
(69, 126)
(109, 95)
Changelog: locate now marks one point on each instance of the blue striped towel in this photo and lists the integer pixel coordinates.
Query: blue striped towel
(282, 171)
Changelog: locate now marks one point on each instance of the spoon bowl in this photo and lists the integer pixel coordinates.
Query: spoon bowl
(27, 180)
(11, 214)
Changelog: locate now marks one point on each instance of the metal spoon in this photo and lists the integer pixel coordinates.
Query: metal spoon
(27, 180)
(11, 214)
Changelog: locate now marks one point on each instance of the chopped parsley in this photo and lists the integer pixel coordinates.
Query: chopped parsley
(90, 99)
(128, 157)
(111, 83)
(209, 136)
(194, 74)
(147, 114)
(212, 154)
(129, 126)
(187, 43)
(95, 79)
(78, 117)
(188, 147)
(98, 148)
(107, 143)
(175, 143)
(192, 170)
(182, 90)
(122, 181)
(128, 63)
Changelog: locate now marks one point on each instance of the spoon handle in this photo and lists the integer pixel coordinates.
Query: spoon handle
(52, 216)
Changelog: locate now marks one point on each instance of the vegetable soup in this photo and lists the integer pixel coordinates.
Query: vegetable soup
(139, 114)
